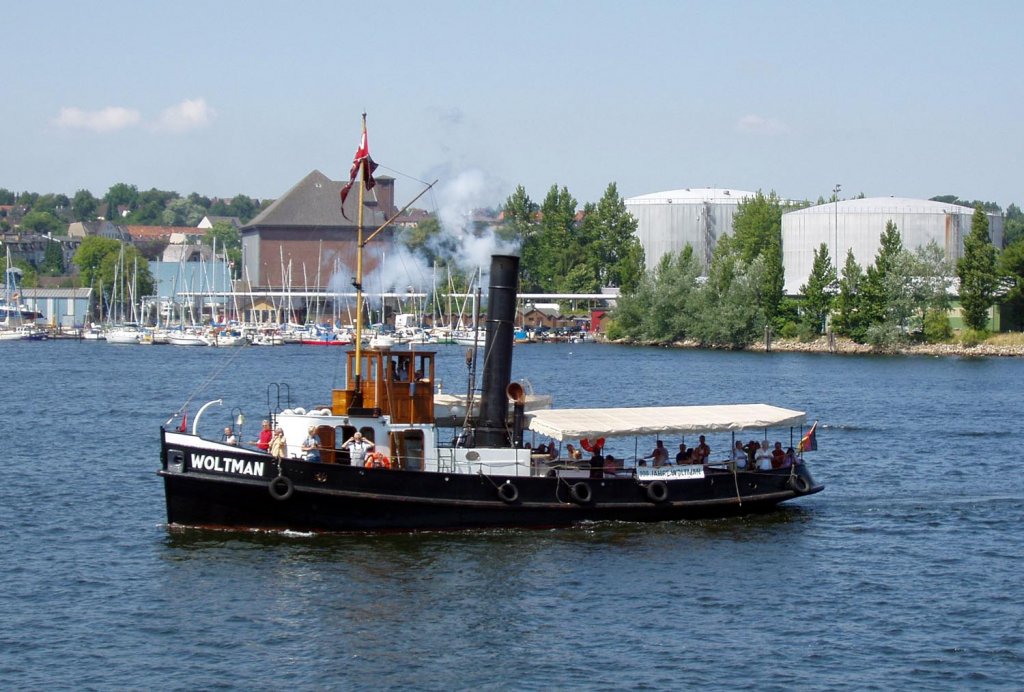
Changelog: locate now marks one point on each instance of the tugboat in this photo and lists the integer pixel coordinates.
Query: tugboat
(414, 469)
(429, 473)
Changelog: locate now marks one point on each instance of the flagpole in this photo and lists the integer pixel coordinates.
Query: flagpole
(358, 283)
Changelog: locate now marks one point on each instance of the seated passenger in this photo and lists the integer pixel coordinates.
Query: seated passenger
(778, 456)
(612, 465)
(684, 454)
(739, 456)
(789, 459)
(572, 453)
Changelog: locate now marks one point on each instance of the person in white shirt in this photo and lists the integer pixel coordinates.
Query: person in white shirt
(358, 447)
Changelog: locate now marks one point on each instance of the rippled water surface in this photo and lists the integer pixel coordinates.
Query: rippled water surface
(904, 573)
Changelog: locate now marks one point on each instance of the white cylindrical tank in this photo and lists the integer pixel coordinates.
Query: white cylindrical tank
(669, 221)
(857, 224)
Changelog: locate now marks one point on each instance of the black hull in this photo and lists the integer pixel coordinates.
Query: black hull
(331, 497)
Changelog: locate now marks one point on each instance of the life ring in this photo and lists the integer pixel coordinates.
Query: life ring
(275, 490)
(508, 492)
(657, 491)
(800, 484)
(377, 460)
(580, 493)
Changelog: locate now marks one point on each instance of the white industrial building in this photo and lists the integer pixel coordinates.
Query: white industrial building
(669, 221)
(857, 224)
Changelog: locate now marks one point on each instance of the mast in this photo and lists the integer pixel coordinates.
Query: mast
(358, 283)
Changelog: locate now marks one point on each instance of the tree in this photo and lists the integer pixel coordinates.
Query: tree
(84, 206)
(520, 220)
(1013, 226)
(757, 232)
(53, 259)
(44, 223)
(119, 269)
(977, 273)
(820, 291)
(728, 311)
(120, 195)
(876, 289)
(229, 241)
(182, 212)
(660, 307)
(617, 251)
(1011, 267)
(850, 319)
(559, 249)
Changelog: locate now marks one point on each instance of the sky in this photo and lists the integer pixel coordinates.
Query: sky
(912, 99)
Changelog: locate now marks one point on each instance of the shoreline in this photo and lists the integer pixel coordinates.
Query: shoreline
(849, 347)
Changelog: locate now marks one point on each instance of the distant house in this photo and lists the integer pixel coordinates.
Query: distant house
(303, 240)
(104, 229)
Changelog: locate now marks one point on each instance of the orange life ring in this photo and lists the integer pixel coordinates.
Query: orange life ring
(377, 460)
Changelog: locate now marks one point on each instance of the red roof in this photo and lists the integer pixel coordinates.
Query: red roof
(161, 232)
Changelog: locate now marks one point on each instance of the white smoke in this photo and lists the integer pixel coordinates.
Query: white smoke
(469, 247)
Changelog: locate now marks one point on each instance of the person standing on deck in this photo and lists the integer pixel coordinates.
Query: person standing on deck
(659, 456)
(358, 447)
(263, 443)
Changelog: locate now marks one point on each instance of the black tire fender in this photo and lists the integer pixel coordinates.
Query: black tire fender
(508, 492)
(281, 488)
(580, 493)
(800, 484)
(657, 491)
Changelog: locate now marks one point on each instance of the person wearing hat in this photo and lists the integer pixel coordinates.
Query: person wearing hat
(311, 445)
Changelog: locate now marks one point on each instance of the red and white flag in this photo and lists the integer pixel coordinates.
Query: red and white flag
(362, 161)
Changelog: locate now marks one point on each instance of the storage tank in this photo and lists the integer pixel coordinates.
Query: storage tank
(857, 224)
(668, 221)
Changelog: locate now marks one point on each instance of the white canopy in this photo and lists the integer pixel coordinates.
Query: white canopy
(562, 424)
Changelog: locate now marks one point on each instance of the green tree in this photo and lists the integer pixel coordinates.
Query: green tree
(520, 222)
(820, 291)
(757, 232)
(113, 269)
(84, 206)
(229, 241)
(120, 195)
(181, 212)
(660, 307)
(53, 259)
(1013, 225)
(7, 197)
(1011, 267)
(875, 290)
(618, 255)
(977, 273)
(43, 222)
(558, 243)
(850, 319)
(728, 310)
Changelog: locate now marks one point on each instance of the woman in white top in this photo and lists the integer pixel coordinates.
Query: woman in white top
(763, 457)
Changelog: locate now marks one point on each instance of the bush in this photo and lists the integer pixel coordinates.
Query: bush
(969, 338)
(614, 332)
(936, 326)
(789, 330)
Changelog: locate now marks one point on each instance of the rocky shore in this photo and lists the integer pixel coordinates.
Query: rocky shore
(846, 346)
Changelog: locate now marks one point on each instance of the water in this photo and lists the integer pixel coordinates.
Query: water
(904, 573)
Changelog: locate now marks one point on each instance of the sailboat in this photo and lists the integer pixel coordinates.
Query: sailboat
(387, 461)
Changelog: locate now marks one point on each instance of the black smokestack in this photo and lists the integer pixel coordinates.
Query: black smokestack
(492, 430)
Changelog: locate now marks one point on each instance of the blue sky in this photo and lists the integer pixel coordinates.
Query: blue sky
(897, 98)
